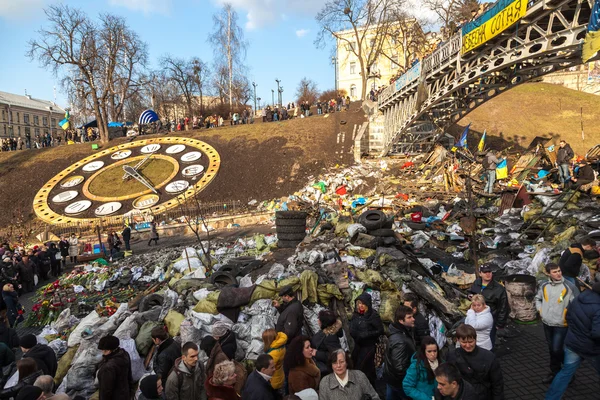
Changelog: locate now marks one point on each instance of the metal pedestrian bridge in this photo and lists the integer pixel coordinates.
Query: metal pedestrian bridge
(509, 44)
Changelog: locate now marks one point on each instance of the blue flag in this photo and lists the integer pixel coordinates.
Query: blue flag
(591, 44)
(462, 142)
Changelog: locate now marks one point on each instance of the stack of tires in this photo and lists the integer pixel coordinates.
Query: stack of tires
(228, 273)
(379, 226)
(291, 228)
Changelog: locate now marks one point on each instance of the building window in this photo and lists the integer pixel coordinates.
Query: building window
(18, 118)
(352, 68)
(2, 115)
(37, 132)
(4, 130)
(27, 131)
(45, 121)
(353, 91)
(26, 118)
(53, 123)
(19, 130)
(10, 130)
(36, 120)
(394, 61)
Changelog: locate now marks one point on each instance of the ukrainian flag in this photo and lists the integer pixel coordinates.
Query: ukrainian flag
(462, 142)
(65, 124)
(481, 142)
(502, 170)
(591, 45)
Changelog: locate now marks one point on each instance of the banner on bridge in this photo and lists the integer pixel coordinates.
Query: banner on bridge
(501, 16)
(409, 76)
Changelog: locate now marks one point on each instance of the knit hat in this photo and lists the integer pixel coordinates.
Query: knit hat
(148, 386)
(219, 329)
(28, 341)
(596, 287)
(108, 342)
(29, 393)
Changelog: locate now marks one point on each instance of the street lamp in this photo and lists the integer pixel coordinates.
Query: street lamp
(273, 97)
(278, 92)
(334, 62)
(258, 98)
(255, 85)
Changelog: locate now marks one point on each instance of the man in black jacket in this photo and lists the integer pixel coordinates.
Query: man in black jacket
(291, 314)
(584, 175)
(365, 328)
(495, 297)
(126, 234)
(167, 351)
(571, 259)
(400, 349)
(421, 325)
(44, 356)
(451, 386)
(257, 385)
(564, 155)
(115, 381)
(477, 366)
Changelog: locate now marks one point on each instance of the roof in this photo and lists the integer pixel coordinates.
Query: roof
(29, 102)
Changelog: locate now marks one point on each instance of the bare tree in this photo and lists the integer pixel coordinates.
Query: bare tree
(242, 92)
(452, 13)
(194, 216)
(229, 49)
(93, 54)
(360, 25)
(201, 78)
(181, 72)
(307, 91)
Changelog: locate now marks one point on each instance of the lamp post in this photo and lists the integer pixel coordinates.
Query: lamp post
(258, 98)
(278, 92)
(255, 85)
(334, 62)
(273, 97)
(280, 96)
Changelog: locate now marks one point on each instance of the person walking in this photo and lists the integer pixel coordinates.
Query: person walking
(153, 234)
(365, 328)
(490, 162)
(421, 324)
(55, 259)
(480, 317)
(495, 297)
(477, 366)
(126, 235)
(419, 382)
(451, 386)
(582, 340)
(11, 300)
(26, 270)
(327, 339)
(399, 352)
(257, 385)
(291, 314)
(303, 372)
(564, 155)
(345, 383)
(551, 301)
(167, 351)
(73, 248)
(572, 258)
(114, 371)
(186, 380)
(274, 345)
(42, 354)
(63, 246)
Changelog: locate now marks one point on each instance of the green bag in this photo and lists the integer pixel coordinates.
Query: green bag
(143, 341)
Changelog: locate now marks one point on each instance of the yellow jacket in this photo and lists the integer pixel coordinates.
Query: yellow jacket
(277, 351)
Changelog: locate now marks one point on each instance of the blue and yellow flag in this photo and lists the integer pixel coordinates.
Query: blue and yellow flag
(462, 142)
(591, 45)
(502, 170)
(481, 142)
(65, 124)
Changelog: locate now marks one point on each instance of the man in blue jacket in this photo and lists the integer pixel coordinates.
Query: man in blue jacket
(582, 341)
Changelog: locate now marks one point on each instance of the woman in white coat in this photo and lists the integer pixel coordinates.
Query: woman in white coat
(73, 248)
(480, 317)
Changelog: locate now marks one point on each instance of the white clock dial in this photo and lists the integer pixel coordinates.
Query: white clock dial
(108, 208)
(72, 181)
(176, 148)
(177, 186)
(93, 166)
(78, 207)
(121, 154)
(65, 196)
(191, 156)
(192, 170)
(150, 148)
(145, 201)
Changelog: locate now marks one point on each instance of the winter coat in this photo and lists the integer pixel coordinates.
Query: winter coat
(357, 387)
(421, 328)
(564, 155)
(496, 298)
(305, 376)
(44, 357)
(220, 392)
(257, 388)
(26, 271)
(365, 329)
(491, 161)
(166, 354)
(216, 357)
(483, 323)
(398, 354)
(482, 370)
(326, 341)
(11, 300)
(277, 352)
(153, 231)
(183, 384)
(6, 356)
(126, 234)
(583, 318)
(73, 247)
(12, 392)
(466, 392)
(63, 246)
(552, 300)
(585, 173)
(9, 336)
(570, 260)
(416, 384)
(228, 344)
(114, 376)
(290, 319)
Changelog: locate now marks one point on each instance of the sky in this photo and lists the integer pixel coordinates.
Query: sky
(280, 33)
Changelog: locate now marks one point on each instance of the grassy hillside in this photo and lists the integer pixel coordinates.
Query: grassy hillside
(536, 109)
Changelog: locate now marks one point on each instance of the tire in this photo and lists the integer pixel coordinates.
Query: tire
(383, 233)
(150, 301)
(290, 222)
(291, 236)
(290, 215)
(222, 278)
(288, 244)
(232, 269)
(372, 219)
(241, 260)
(291, 229)
(388, 224)
(416, 226)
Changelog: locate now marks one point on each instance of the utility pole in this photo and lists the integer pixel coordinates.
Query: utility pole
(273, 97)
(255, 85)
(334, 62)
(278, 92)
(281, 96)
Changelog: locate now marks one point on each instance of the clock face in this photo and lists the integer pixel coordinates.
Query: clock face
(162, 173)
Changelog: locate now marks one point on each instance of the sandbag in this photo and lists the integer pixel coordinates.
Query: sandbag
(173, 321)
(137, 363)
(64, 363)
(206, 306)
(328, 291)
(308, 280)
(189, 333)
(390, 301)
(292, 281)
(143, 341)
(264, 290)
(91, 321)
(128, 328)
(64, 321)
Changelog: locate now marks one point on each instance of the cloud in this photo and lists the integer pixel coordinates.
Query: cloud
(21, 9)
(260, 13)
(302, 32)
(145, 6)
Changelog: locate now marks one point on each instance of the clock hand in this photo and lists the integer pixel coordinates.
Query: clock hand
(138, 165)
(130, 171)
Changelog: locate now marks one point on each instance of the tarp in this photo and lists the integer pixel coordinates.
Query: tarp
(147, 117)
(119, 124)
(92, 124)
